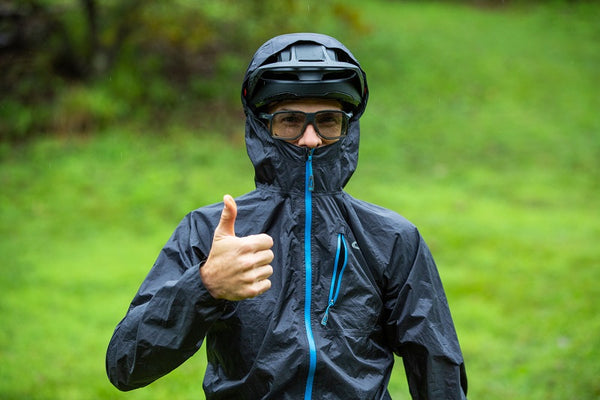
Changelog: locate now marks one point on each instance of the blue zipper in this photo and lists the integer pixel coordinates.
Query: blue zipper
(336, 282)
(308, 189)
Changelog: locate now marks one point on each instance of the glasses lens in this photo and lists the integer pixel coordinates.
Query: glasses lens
(288, 125)
(330, 124)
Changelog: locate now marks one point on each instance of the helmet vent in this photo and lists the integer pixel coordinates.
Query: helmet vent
(309, 52)
(280, 76)
(338, 75)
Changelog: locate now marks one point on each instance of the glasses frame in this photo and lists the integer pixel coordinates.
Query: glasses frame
(309, 118)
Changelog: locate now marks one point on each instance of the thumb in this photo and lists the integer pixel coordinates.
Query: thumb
(226, 225)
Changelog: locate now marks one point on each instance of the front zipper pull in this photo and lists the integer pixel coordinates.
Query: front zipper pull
(309, 171)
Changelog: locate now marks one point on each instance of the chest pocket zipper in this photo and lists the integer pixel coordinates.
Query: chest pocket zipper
(341, 260)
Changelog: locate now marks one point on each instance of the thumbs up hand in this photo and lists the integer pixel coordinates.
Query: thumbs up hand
(237, 268)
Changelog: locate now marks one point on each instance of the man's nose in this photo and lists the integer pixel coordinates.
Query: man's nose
(310, 138)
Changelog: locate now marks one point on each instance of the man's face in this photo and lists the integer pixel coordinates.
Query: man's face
(310, 138)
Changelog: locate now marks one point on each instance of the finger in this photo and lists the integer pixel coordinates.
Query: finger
(259, 288)
(263, 272)
(264, 257)
(258, 242)
(248, 264)
(226, 225)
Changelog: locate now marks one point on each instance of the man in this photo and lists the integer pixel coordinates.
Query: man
(297, 289)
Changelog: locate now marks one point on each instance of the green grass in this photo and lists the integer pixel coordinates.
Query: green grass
(482, 129)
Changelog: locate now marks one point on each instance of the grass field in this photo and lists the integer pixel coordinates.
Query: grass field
(482, 129)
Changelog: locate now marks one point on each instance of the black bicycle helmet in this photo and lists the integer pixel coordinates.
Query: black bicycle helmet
(307, 69)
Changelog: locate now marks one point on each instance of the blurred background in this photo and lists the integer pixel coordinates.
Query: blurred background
(119, 117)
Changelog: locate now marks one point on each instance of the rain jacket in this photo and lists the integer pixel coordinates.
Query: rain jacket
(353, 284)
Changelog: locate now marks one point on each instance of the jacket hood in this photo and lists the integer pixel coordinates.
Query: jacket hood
(280, 164)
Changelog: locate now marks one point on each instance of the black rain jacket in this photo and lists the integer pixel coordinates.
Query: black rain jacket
(353, 284)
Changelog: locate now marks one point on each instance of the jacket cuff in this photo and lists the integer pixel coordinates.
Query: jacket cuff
(202, 297)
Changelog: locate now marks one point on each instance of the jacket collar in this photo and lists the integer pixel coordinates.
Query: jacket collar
(281, 165)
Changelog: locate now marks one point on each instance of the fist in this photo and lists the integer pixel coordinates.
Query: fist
(237, 268)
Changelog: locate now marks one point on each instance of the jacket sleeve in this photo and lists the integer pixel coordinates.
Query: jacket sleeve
(419, 325)
(169, 316)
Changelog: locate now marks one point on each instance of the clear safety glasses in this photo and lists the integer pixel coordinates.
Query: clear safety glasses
(290, 125)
